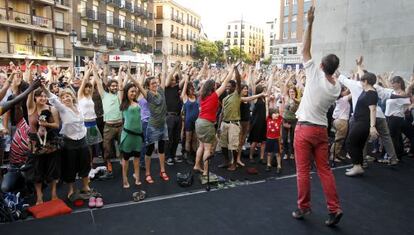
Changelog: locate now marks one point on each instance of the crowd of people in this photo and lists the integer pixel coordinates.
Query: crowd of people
(61, 120)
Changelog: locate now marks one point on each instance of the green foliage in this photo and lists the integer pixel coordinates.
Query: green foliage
(268, 60)
(235, 55)
(206, 49)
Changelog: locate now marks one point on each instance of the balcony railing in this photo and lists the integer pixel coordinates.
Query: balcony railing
(63, 2)
(44, 51)
(62, 26)
(157, 51)
(63, 53)
(101, 40)
(115, 3)
(87, 37)
(128, 7)
(42, 22)
(113, 21)
(102, 17)
(89, 14)
(158, 34)
(129, 26)
(4, 49)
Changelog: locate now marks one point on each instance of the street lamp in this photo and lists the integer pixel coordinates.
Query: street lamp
(73, 38)
(226, 49)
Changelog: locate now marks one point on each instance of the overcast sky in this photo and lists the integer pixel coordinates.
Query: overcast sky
(216, 13)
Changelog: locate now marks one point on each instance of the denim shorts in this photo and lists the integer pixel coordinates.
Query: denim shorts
(154, 134)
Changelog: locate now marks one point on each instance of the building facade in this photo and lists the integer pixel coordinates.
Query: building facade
(271, 36)
(177, 29)
(35, 29)
(123, 28)
(292, 23)
(246, 36)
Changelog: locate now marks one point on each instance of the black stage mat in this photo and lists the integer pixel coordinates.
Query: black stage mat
(380, 202)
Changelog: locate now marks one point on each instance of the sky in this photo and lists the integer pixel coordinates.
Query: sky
(215, 14)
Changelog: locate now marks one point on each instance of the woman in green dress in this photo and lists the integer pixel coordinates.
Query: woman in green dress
(131, 136)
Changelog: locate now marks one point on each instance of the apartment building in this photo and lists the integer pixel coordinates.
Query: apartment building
(271, 36)
(35, 29)
(246, 36)
(124, 28)
(293, 23)
(177, 29)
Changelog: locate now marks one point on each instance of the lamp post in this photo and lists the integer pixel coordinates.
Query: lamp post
(226, 49)
(73, 38)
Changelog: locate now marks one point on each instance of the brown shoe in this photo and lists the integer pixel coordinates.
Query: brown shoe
(232, 167)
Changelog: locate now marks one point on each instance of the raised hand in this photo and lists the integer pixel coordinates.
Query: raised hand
(311, 14)
(359, 61)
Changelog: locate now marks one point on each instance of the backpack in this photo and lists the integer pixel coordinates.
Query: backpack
(185, 179)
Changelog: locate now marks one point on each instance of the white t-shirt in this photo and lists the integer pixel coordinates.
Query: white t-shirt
(355, 87)
(342, 109)
(318, 96)
(393, 107)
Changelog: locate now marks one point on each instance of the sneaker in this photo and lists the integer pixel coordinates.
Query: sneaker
(301, 213)
(334, 219)
(354, 171)
(170, 162)
(108, 175)
(268, 168)
(278, 170)
(178, 159)
(285, 157)
(370, 158)
(393, 162)
(365, 164)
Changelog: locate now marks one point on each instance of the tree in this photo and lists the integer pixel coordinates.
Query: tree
(221, 58)
(268, 60)
(206, 49)
(235, 54)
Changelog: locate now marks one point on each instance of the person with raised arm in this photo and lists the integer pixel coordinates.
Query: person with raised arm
(191, 112)
(157, 130)
(131, 136)
(311, 136)
(75, 154)
(44, 149)
(87, 107)
(205, 130)
(112, 115)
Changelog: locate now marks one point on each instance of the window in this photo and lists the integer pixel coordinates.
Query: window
(172, 48)
(95, 33)
(110, 36)
(158, 45)
(293, 34)
(294, 18)
(172, 13)
(109, 17)
(228, 42)
(122, 3)
(122, 37)
(83, 31)
(294, 2)
(59, 20)
(271, 26)
(235, 26)
(242, 42)
(172, 28)
(286, 3)
(95, 12)
(228, 27)
(286, 19)
(236, 34)
(242, 26)
(235, 42)
(158, 29)
(228, 34)
(122, 21)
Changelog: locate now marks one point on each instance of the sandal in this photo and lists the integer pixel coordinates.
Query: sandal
(139, 196)
(92, 202)
(99, 202)
(164, 176)
(149, 179)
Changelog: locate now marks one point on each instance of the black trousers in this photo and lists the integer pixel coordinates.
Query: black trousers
(174, 124)
(396, 124)
(357, 136)
(288, 135)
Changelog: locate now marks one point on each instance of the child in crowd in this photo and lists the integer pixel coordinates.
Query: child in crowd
(273, 124)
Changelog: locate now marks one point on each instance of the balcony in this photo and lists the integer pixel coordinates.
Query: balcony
(178, 20)
(129, 26)
(89, 14)
(125, 45)
(112, 21)
(158, 34)
(62, 26)
(157, 51)
(173, 35)
(101, 40)
(44, 51)
(86, 37)
(128, 7)
(63, 4)
(63, 53)
(181, 37)
(20, 19)
(114, 3)
(102, 17)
